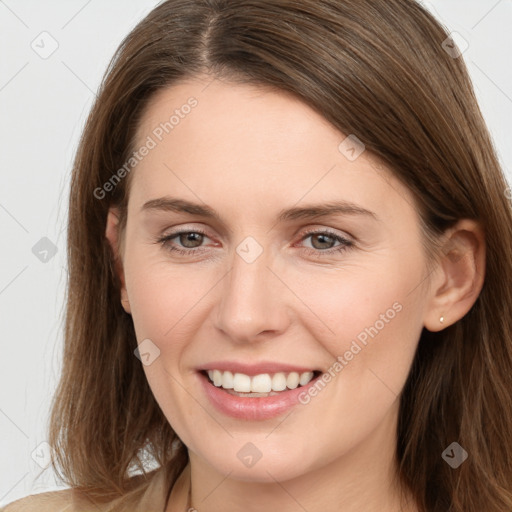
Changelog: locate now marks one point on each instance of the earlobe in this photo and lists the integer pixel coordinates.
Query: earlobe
(461, 273)
(112, 235)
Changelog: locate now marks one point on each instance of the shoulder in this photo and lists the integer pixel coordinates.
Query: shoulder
(54, 501)
(142, 498)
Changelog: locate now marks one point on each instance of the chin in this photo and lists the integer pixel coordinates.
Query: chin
(260, 461)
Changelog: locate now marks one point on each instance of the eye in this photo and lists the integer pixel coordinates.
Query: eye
(191, 242)
(321, 238)
(185, 238)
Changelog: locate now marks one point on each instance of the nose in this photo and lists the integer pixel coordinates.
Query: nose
(253, 302)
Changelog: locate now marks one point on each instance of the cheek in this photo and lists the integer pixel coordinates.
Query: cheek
(165, 300)
(369, 319)
(376, 329)
(162, 294)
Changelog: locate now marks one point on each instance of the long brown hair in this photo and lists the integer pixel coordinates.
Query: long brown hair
(374, 68)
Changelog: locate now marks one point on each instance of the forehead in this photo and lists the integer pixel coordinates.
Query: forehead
(253, 147)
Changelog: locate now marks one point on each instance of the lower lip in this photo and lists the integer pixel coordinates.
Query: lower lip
(253, 408)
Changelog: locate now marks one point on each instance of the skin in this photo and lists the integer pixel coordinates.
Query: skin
(248, 152)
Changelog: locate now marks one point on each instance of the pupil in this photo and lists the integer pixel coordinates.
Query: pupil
(323, 237)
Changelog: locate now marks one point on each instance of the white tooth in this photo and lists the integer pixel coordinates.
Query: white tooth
(217, 378)
(305, 378)
(227, 380)
(292, 381)
(242, 383)
(279, 382)
(261, 383)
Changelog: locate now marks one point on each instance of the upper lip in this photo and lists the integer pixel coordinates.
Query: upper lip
(252, 369)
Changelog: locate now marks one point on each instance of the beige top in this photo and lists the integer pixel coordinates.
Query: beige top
(153, 499)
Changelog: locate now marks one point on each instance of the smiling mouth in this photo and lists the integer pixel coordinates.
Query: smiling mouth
(259, 386)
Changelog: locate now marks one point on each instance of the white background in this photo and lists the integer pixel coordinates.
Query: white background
(43, 105)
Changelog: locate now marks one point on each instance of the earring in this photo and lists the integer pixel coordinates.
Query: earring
(441, 319)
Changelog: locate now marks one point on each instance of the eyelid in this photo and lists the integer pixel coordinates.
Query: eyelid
(330, 231)
(185, 229)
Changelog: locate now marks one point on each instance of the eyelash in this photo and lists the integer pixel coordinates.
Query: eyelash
(345, 244)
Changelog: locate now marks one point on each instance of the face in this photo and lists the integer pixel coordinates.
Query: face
(265, 284)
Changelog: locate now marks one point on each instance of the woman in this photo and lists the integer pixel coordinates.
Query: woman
(219, 356)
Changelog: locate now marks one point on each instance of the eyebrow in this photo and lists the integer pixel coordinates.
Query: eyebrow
(310, 211)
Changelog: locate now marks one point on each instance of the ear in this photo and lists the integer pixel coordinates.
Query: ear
(112, 235)
(459, 277)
